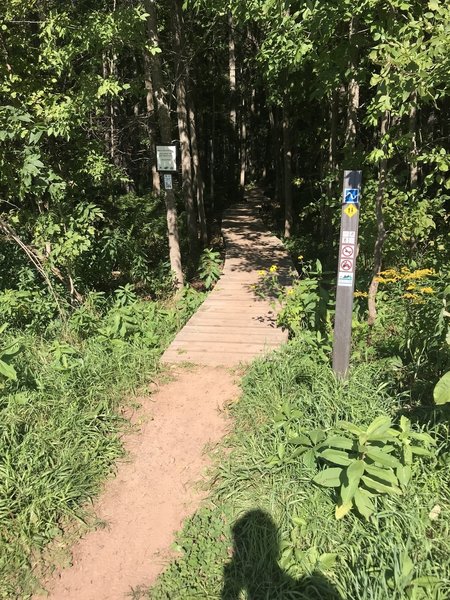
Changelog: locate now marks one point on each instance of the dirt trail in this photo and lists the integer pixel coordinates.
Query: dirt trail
(152, 493)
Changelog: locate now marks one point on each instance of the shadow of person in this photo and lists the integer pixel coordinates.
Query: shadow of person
(254, 567)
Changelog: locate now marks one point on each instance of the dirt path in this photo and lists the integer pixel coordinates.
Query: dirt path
(153, 492)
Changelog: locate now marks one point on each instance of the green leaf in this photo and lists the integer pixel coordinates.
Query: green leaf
(353, 473)
(421, 451)
(364, 504)
(441, 393)
(380, 487)
(329, 477)
(377, 455)
(317, 435)
(350, 427)
(342, 510)
(382, 473)
(8, 371)
(301, 440)
(404, 474)
(336, 456)
(378, 427)
(327, 560)
(338, 441)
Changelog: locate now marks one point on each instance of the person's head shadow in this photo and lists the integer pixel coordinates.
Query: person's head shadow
(254, 566)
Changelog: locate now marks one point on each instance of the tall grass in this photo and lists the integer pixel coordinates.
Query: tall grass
(402, 553)
(61, 425)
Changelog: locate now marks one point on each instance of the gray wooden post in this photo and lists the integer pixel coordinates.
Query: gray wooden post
(346, 271)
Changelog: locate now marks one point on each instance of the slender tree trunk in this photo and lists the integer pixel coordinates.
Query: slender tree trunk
(287, 160)
(414, 170)
(165, 126)
(332, 142)
(381, 231)
(353, 95)
(243, 147)
(150, 102)
(200, 186)
(183, 129)
(232, 73)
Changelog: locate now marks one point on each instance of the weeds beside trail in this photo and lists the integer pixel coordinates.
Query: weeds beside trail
(61, 420)
(269, 530)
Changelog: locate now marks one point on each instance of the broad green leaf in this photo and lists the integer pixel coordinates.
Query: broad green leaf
(353, 474)
(343, 510)
(350, 427)
(336, 456)
(327, 560)
(377, 455)
(404, 474)
(441, 392)
(378, 427)
(385, 474)
(421, 451)
(364, 504)
(339, 441)
(329, 477)
(317, 435)
(8, 371)
(301, 440)
(380, 487)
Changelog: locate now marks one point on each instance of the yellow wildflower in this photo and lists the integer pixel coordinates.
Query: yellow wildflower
(411, 296)
(360, 294)
(273, 269)
(261, 273)
(300, 257)
(290, 292)
(427, 290)
(419, 274)
(411, 287)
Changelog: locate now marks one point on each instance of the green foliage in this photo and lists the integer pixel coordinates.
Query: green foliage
(60, 415)
(401, 552)
(377, 460)
(441, 392)
(209, 267)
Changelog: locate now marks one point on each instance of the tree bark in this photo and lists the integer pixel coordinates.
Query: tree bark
(243, 148)
(413, 170)
(150, 102)
(165, 126)
(183, 128)
(287, 160)
(381, 231)
(200, 186)
(353, 96)
(232, 73)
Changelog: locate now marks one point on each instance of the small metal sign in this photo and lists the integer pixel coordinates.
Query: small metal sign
(168, 183)
(166, 157)
(350, 210)
(351, 196)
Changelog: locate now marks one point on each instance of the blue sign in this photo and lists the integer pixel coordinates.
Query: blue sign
(351, 196)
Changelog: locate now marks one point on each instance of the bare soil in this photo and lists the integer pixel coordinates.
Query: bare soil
(154, 491)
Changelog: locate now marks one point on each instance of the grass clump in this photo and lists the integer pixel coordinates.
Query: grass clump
(268, 531)
(62, 418)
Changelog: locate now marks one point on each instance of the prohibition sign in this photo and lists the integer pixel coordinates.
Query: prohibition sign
(347, 251)
(346, 265)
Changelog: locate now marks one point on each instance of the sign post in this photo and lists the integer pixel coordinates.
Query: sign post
(346, 272)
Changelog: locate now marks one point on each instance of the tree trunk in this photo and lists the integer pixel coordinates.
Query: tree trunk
(353, 96)
(183, 128)
(150, 102)
(165, 126)
(414, 170)
(200, 186)
(232, 74)
(287, 160)
(381, 231)
(243, 148)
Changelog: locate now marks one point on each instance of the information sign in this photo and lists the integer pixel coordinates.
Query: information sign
(166, 157)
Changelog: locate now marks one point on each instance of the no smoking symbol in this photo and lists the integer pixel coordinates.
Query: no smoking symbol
(346, 265)
(347, 251)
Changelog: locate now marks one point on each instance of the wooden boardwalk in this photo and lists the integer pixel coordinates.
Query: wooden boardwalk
(233, 325)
